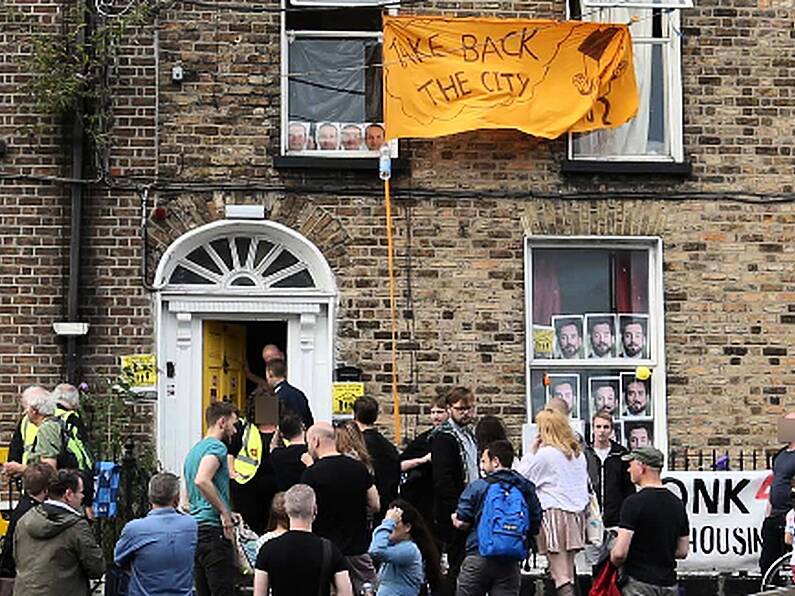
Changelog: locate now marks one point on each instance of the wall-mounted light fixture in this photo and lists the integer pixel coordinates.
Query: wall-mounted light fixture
(67, 328)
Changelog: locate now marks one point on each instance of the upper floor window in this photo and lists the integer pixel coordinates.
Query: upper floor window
(595, 340)
(655, 134)
(332, 79)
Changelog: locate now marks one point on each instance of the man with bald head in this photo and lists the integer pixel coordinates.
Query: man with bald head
(271, 352)
(345, 492)
(780, 500)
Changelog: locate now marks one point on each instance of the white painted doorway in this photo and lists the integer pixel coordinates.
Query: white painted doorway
(241, 271)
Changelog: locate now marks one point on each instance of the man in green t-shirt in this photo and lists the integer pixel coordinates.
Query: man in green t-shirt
(207, 490)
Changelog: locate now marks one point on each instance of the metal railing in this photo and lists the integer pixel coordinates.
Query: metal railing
(684, 459)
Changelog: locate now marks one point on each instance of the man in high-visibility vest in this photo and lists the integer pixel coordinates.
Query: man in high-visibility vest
(67, 400)
(48, 443)
(24, 435)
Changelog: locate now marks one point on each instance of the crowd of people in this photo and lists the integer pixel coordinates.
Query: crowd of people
(339, 507)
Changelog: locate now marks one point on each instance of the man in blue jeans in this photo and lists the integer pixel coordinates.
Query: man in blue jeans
(207, 482)
(159, 548)
(499, 576)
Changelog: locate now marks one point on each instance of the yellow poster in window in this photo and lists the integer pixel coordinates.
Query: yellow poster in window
(543, 341)
(141, 368)
(343, 395)
(545, 78)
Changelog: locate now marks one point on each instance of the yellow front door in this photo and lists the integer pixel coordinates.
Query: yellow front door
(224, 364)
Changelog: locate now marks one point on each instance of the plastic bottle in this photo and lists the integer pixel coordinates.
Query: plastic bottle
(384, 162)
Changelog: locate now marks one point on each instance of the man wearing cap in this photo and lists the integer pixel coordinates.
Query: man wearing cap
(653, 530)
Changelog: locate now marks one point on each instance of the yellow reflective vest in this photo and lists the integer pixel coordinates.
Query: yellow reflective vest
(248, 460)
(28, 430)
(74, 442)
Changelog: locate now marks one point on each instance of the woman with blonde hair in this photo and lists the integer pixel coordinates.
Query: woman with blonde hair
(557, 467)
(350, 442)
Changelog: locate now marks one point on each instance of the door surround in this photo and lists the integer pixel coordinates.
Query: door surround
(269, 272)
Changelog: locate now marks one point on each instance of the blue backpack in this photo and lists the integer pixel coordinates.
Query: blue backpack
(504, 522)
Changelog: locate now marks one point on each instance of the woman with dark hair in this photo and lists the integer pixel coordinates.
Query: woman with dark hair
(407, 551)
(278, 521)
(252, 479)
(487, 430)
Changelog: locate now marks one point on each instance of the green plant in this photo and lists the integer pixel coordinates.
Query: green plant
(71, 69)
(110, 416)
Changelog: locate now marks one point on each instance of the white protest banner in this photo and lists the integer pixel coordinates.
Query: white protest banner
(726, 510)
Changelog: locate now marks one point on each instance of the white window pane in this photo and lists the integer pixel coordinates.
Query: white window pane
(330, 80)
(644, 23)
(648, 133)
(639, 3)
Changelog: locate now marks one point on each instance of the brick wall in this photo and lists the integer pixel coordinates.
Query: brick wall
(728, 293)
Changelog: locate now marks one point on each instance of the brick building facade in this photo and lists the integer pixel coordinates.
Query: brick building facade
(464, 206)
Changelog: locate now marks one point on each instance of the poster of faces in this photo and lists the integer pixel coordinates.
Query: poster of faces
(634, 334)
(604, 394)
(638, 434)
(601, 335)
(635, 396)
(567, 388)
(335, 136)
(568, 336)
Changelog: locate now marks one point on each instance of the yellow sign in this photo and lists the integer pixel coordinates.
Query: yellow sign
(448, 75)
(344, 394)
(141, 368)
(543, 341)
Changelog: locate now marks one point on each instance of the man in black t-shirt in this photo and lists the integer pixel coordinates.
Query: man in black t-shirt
(653, 530)
(290, 461)
(386, 459)
(298, 563)
(345, 492)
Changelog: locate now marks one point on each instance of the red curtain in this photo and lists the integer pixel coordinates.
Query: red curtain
(546, 289)
(632, 281)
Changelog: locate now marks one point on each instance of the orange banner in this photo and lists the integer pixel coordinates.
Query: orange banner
(446, 75)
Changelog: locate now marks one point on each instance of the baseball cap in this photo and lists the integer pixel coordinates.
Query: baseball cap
(650, 456)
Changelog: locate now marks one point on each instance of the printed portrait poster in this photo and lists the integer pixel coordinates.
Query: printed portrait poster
(566, 387)
(569, 343)
(605, 394)
(636, 397)
(638, 434)
(634, 336)
(601, 335)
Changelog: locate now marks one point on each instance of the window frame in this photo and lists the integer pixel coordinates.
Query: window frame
(672, 4)
(672, 67)
(340, 3)
(286, 36)
(656, 311)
